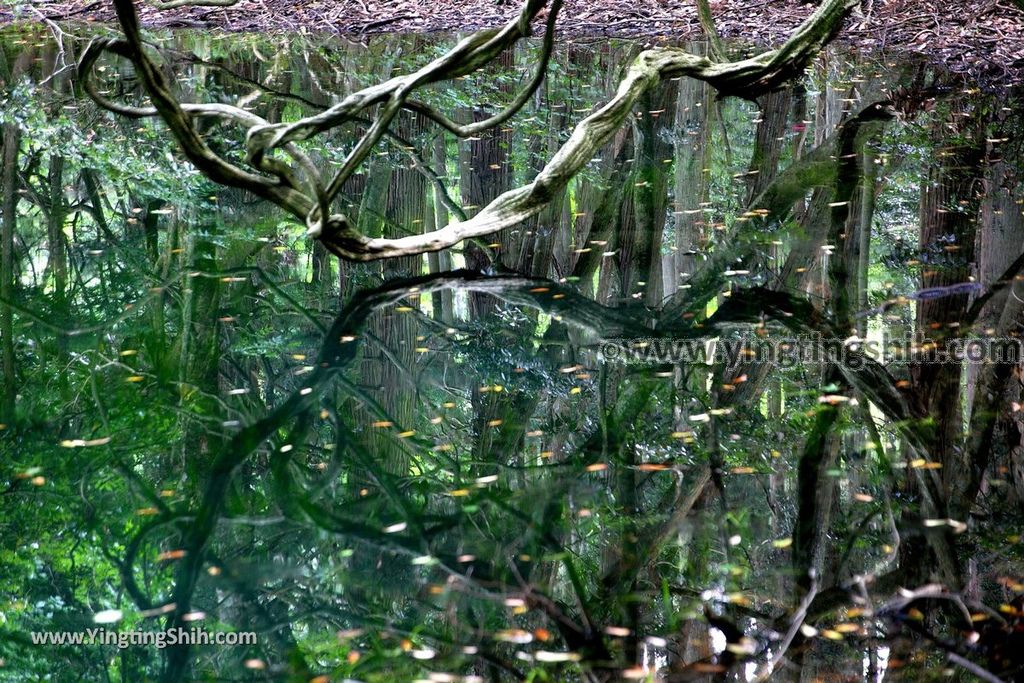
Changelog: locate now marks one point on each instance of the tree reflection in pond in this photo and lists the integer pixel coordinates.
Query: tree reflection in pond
(524, 469)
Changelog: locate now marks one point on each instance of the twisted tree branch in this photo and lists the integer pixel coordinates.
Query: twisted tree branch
(305, 197)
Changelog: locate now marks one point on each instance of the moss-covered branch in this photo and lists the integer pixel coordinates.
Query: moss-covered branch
(305, 197)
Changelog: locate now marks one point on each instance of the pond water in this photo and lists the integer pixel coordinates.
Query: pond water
(743, 403)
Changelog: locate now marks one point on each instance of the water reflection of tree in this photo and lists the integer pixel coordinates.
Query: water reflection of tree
(643, 539)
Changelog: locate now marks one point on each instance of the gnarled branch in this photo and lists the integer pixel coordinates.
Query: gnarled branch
(308, 200)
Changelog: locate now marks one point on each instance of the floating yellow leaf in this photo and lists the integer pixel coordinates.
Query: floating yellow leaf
(738, 599)
(79, 443)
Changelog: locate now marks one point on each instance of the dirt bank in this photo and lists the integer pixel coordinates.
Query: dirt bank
(977, 36)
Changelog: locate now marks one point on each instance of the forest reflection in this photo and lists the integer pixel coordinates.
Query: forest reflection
(437, 467)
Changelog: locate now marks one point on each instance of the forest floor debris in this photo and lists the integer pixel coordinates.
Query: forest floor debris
(980, 37)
